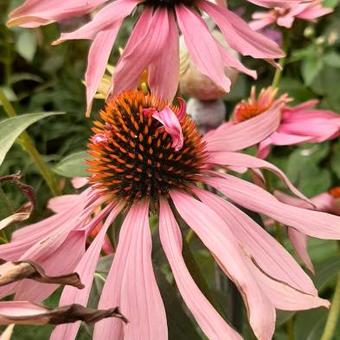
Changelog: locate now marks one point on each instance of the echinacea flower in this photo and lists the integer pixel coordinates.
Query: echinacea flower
(147, 156)
(285, 17)
(154, 42)
(294, 125)
(327, 202)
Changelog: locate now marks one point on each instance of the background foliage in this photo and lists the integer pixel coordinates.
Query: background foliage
(37, 77)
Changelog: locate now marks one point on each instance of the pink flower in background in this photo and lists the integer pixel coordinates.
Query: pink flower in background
(153, 44)
(327, 202)
(136, 170)
(285, 17)
(294, 125)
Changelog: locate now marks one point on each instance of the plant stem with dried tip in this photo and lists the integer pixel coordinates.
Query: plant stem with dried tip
(27, 144)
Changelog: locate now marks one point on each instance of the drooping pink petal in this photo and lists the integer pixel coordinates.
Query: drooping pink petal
(163, 72)
(242, 160)
(275, 3)
(239, 35)
(209, 63)
(268, 254)
(207, 317)
(131, 284)
(97, 60)
(85, 268)
(314, 10)
(79, 182)
(282, 138)
(171, 125)
(62, 261)
(103, 20)
(320, 225)
(235, 137)
(144, 45)
(61, 203)
(299, 242)
(284, 297)
(34, 13)
(222, 243)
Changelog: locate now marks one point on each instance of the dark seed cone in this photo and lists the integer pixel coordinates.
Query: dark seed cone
(132, 154)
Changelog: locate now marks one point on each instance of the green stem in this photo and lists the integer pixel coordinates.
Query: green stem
(278, 73)
(27, 144)
(290, 328)
(333, 315)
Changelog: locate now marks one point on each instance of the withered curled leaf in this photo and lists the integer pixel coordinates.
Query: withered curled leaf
(27, 313)
(19, 270)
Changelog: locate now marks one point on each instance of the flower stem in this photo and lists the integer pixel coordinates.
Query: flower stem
(278, 73)
(333, 315)
(27, 144)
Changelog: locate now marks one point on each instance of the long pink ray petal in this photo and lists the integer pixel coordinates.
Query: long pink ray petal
(309, 222)
(282, 138)
(314, 11)
(97, 60)
(34, 13)
(131, 284)
(103, 20)
(210, 63)
(18, 308)
(171, 125)
(286, 298)
(268, 254)
(62, 261)
(61, 203)
(299, 242)
(239, 35)
(207, 317)
(242, 160)
(275, 3)
(232, 62)
(85, 268)
(144, 45)
(164, 71)
(212, 231)
(229, 137)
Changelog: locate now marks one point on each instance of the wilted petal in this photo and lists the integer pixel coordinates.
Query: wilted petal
(27, 313)
(15, 271)
(206, 316)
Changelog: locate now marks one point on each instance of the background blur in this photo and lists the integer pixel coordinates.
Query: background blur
(37, 77)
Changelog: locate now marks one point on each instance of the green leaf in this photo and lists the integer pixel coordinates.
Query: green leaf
(326, 272)
(73, 165)
(335, 161)
(311, 67)
(26, 44)
(332, 59)
(11, 128)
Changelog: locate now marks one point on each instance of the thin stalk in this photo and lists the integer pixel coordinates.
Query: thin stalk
(27, 144)
(282, 63)
(333, 315)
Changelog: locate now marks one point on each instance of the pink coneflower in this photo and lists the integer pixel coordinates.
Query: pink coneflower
(327, 202)
(294, 125)
(147, 156)
(153, 44)
(285, 17)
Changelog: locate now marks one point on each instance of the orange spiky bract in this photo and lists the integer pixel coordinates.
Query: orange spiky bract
(132, 154)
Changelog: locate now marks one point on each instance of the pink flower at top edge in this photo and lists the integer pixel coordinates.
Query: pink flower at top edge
(137, 170)
(285, 17)
(293, 125)
(327, 202)
(153, 44)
